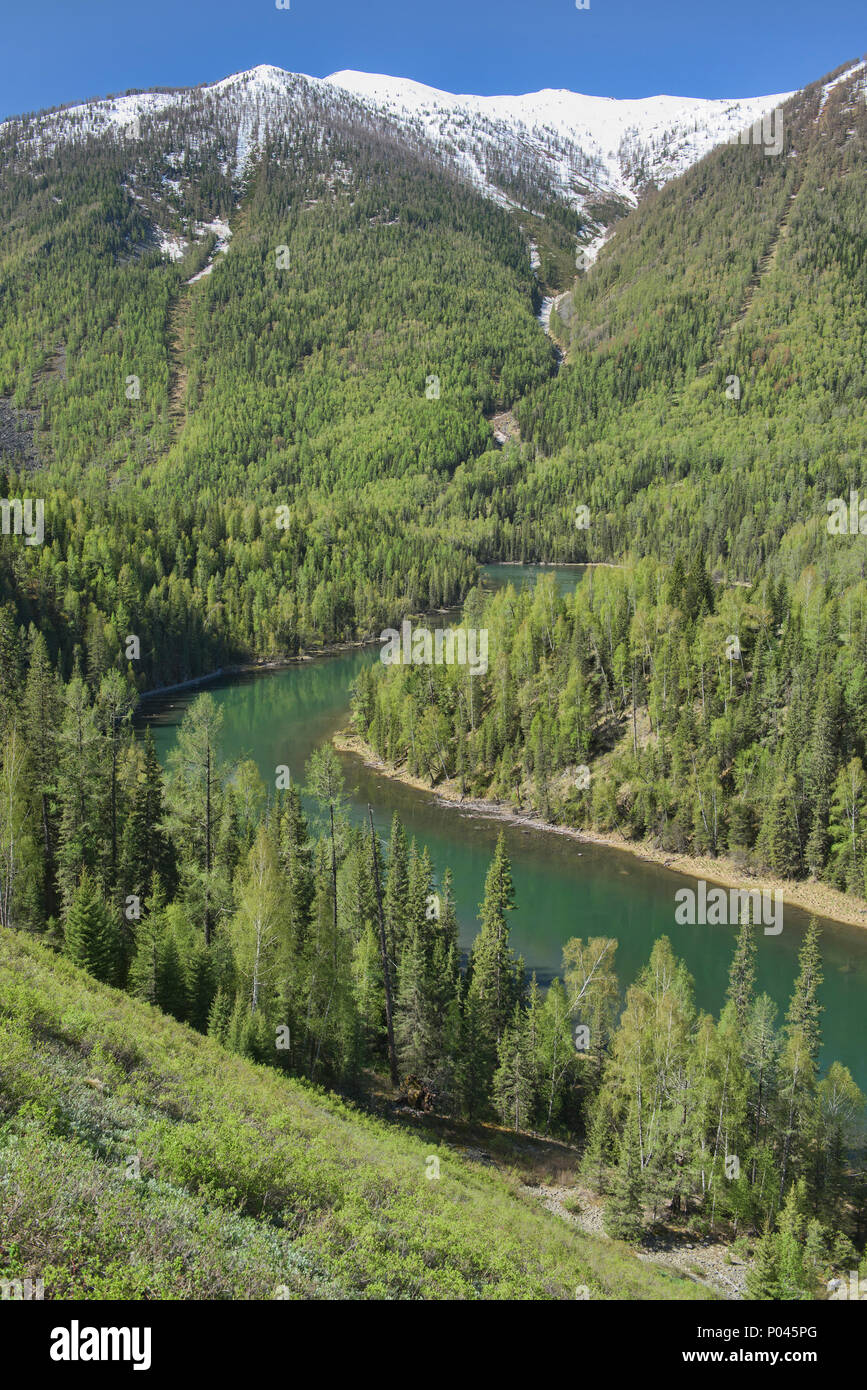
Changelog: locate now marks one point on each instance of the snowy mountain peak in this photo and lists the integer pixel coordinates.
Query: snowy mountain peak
(613, 144)
(522, 150)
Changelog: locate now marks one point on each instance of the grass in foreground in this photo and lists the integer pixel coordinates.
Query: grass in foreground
(139, 1160)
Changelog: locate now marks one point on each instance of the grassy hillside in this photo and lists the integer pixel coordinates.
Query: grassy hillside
(248, 1181)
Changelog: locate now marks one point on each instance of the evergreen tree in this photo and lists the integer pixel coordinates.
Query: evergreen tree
(804, 1008)
(763, 1276)
(623, 1210)
(90, 933)
(493, 970)
(396, 898)
(220, 1015)
(194, 795)
(514, 1084)
(171, 984)
(41, 718)
(142, 980)
(145, 850)
(414, 1024)
(742, 976)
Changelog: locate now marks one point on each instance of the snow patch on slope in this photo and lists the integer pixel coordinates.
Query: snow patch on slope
(836, 81)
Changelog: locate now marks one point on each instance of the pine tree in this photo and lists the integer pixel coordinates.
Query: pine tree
(414, 1023)
(781, 831)
(514, 1084)
(77, 787)
(18, 853)
(90, 934)
(820, 776)
(114, 705)
(805, 1009)
(421, 906)
(194, 793)
(763, 1276)
(816, 1264)
(396, 898)
(200, 986)
(622, 1217)
(295, 859)
(220, 1016)
(41, 715)
(742, 976)
(760, 1051)
(797, 1084)
(171, 984)
(149, 932)
(10, 663)
(493, 984)
(145, 850)
(325, 785)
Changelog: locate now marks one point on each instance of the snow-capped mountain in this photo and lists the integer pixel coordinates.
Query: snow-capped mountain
(520, 150)
(614, 146)
(251, 104)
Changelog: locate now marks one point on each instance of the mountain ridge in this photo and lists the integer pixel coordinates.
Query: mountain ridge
(606, 119)
(593, 144)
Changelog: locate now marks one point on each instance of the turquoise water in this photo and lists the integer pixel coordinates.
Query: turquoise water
(563, 888)
(524, 576)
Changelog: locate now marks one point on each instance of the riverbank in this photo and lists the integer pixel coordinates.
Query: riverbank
(816, 898)
(556, 564)
(281, 663)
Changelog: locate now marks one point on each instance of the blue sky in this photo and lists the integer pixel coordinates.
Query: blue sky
(56, 51)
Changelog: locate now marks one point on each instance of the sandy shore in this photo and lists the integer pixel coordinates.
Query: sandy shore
(810, 896)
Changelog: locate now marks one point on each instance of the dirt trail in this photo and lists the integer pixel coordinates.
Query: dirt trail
(705, 1261)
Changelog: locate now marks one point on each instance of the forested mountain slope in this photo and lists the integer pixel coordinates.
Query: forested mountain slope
(712, 405)
(338, 360)
(714, 392)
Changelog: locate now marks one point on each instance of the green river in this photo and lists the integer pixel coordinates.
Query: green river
(563, 887)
